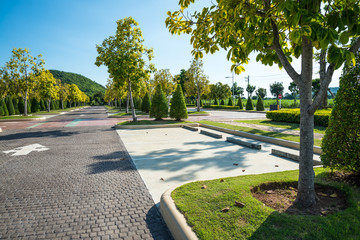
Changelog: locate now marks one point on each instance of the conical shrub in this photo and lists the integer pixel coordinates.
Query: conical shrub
(215, 102)
(239, 103)
(260, 104)
(10, 106)
(249, 104)
(4, 110)
(29, 106)
(222, 102)
(178, 107)
(35, 105)
(230, 102)
(145, 106)
(21, 106)
(16, 105)
(159, 108)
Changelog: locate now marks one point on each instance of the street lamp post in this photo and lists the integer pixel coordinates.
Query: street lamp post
(232, 86)
(247, 79)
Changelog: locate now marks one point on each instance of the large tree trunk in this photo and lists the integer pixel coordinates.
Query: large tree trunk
(25, 104)
(62, 104)
(120, 104)
(127, 102)
(115, 103)
(132, 102)
(49, 102)
(306, 190)
(198, 101)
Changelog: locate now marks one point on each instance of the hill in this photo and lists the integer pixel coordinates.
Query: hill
(88, 86)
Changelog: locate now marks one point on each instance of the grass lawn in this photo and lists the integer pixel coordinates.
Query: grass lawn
(292, 126)
(152, 122)
(202, 209)
(317, 142)
(129, 113)
(195, 112)
(17, 117)
(56, 111)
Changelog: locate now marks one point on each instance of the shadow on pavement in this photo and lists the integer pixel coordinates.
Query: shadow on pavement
(157, 230)
(38, 134)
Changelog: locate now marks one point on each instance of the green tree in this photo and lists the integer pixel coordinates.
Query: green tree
(222, 103)
(220, 91)
(260, 104)
(237, 90)
(146, 104)
(240, 103)
(230, 103)
(123, 54)
(294, 91)
(23, 70)
(178, 107)
(181, 79)
(4, 110)
(10, 105)
(198, 83)
(250, 89)
(159, 108)
(249, 104)
(276, 89)
(278, 31)
(16, 105)
(48, 88)
(341, 143)
(166, 80)
(261, 92)
(35, 105)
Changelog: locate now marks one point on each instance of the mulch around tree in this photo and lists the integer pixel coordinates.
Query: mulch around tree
(281, 196)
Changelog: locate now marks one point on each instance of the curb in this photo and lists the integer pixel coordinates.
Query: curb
(277, 141)
(22, 119)
(155, 126)
(174, 220)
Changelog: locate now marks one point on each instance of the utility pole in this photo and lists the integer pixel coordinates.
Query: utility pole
(247, 79)
(232, 86)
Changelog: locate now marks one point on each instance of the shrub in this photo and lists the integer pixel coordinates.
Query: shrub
(145, 106)
(10, 106)
(341, 143)
(249, 104)
(190, 105)
(321, 117)
(42, 105)
(35, 105)
(221, 107)
(16, 105)
(4, 110)
(230, 102)
(28, 106)
(215, 102)
(222, 102)
(178, 108)
(21, 106)
(239, 103)
(260, 104)
(159, 108)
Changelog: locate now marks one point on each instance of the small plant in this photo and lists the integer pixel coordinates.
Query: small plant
(215, 102)
(239, 103)
(10, 106)
(230, 102)
(222, 102)
(145, 106)
(249, 104)
(260, 104)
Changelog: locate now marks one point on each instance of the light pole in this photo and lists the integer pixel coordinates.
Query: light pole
(247, 79)
(232, 86)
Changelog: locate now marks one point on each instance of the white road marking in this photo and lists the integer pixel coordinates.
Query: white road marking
(26, 149)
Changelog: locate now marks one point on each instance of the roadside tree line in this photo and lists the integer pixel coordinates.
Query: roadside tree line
(27, 87)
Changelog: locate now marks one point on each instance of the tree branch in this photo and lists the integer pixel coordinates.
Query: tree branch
(356, 45)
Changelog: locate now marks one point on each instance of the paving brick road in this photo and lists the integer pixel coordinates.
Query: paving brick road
(82, 185)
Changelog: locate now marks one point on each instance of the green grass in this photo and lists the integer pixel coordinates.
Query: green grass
(195, 112)
(129, 113)
(56, 111)
(17, 117)
(202, 209)
(317, 142)
(292, 126)
(152, 122)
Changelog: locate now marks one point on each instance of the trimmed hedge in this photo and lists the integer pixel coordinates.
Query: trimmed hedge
(321, 117)
(221, 107)
(190, 105)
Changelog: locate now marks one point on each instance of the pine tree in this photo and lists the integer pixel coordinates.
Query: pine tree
(4, 107)
(10, 106)
(42, 105)
(260, 104)
(341, 143)
(16, 105)
(230, 102)
(145, 106)
(35, 105)
(21, 106)
(28, 106)
(222, 102)
(215, 103)
(178, 107)
(159, 108)
(239, 103)
(249, 104)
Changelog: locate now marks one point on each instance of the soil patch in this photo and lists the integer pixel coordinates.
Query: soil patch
(281, 196)
(347, 177)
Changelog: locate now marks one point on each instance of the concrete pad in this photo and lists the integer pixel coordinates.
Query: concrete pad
(170, 157)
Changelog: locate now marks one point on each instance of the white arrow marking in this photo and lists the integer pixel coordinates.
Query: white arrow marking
(26, 149)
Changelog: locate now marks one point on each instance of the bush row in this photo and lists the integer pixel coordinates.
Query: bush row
(321, 117)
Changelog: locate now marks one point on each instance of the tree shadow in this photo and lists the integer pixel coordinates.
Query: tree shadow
(115, 161)
(156, 225)
(38, 134)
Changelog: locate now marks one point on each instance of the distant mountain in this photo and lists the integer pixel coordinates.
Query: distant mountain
(88, 86)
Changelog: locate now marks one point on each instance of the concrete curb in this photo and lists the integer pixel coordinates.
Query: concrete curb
(155, 126)
(291, 156)
(174, 220)
(243, 143)
(126, 116)
(210, 134)
(22, 119)
(276, 141)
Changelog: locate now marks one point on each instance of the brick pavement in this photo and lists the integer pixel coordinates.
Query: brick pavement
(83, 187)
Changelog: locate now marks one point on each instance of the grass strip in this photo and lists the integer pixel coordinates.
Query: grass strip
(202, 209)
(289, 137)
(195, 112)
(128, 114)
(152, 122)
(17, 117)
(285, 125)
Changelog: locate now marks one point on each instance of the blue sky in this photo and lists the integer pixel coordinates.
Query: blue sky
(66, 32)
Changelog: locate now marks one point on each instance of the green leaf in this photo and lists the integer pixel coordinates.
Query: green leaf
(306, 30)
(344, 37)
